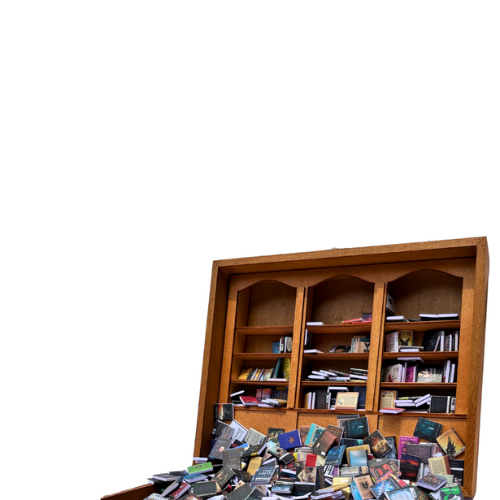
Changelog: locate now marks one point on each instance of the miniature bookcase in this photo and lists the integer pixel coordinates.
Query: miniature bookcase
(256, 301)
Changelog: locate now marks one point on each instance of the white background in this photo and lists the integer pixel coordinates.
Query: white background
(140, 141)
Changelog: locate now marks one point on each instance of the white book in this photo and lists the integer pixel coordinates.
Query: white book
(312, 351)
(392, 342)
(408, 349)
(313, 323)
(448, 316)
(395, 318)
(264, 405)
(412, 358)
(425, 402)
(452, 375)
(317, 377)
(360, 377)
(239, 432)
(313, 400)
(314, 372)
(337, 388)
(433, 317)
(446, 372)
(309, 400)
(237, 393)
(277, 379)
(456, 341)
(423, 398)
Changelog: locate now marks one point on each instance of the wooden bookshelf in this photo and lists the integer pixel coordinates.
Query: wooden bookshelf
(256, 301)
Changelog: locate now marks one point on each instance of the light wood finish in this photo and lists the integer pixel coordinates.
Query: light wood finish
(255, 301)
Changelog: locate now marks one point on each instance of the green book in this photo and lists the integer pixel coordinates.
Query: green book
(206, 467)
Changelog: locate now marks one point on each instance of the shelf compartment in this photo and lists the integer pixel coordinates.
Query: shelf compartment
(326, 383)
(336, 412)
(422, 326)
(428, 415)
(263, 356)
(265, 330)
(429, 357)
(417, 385)
(340, 329)
(337, 357)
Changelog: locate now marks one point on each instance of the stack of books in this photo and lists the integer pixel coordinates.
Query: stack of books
(341, 461)
(355, 374)
(428, 403)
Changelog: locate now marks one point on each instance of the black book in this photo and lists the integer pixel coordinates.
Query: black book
(409, 467)
(224, 411)
(222, 430)
(204, 489)
(256, 494)
(321, 397)
(264, 475)
(179, 472)
(392, 442)
(357, 428)
(243, 475)
(254, 450)
(440, 404)
(427, 429)
(431, 338)
(232, 458)
(303, 489)
(241, 493)
(223, 477)
(457, 469)
(220, 445)
(348, 442)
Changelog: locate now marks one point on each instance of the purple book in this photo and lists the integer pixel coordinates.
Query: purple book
(290, 440)
(411, 375)
(403, 441)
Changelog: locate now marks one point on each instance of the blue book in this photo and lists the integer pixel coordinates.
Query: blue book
(290, 440)
(276, 347)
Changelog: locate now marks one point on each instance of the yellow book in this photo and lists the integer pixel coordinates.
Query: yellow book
(244, 374)
(254, 465)
(287, 362)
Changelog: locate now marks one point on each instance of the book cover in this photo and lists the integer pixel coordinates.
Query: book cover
(336, 431)
(382, 487)
(451, 443)
(405, 338)
(254, 465)
(357, 428)
(431, 339)
(254, 437)
(421, 450)
(290, 439)
(253, 451)
(407, 493)
(231, 458)
(432, 482)
(335, 455)
(223, 477)
(392, 342)
(409, 467)
(220, 445)
(249, 400)
(427, 429)
(451, 493)
(198, 468)
(430, 375)
(264, 475)
(358, 458)
(403, 441)
(457, 469)
(255, 495)
(323, 444)
(378, 444)
(382, 466)
(306, 474)
(351, 449)
(273, 432)
(303, 431)
(313, 434)
(240, 493)
(347, 401)
(439, 465)
(311, 460)
(245, 373)
(181, 491)
(392, 443)
(223, 411)
(363, 483)
(387, 398)
(393, 373)
(204, 489)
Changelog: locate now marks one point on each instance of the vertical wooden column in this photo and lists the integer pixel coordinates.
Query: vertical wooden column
(300, 350)
(476, 369)
(297, 342)
(376, 347)
(225, 381)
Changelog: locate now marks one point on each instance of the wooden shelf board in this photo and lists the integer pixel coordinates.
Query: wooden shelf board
(422, 414)
(340, 329)
(344, 356)
(259, 382)
(265, 356)
(265, 330)
(416, 385)
(422, 326)
(426, 356)
(323, 383)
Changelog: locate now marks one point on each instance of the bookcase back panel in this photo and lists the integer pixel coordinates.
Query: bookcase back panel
(426, 291)
(338, 299)
(269, 303)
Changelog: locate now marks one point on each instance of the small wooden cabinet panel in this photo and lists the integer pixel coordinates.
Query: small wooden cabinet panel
(255, 301)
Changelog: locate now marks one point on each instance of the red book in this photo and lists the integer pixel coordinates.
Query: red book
(311, 460)
(249, 400)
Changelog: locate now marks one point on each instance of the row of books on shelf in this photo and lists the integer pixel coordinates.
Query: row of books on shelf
(391, 403)
(284, 345)
(423, 317)
(433, 341)
(335, 398)
(410, 372)
(280, 372)
(358, 345)
(338, 376)
(364, 318)
(265, 397)
(341, 461)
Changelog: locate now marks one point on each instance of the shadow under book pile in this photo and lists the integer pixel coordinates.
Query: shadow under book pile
(347, 461)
